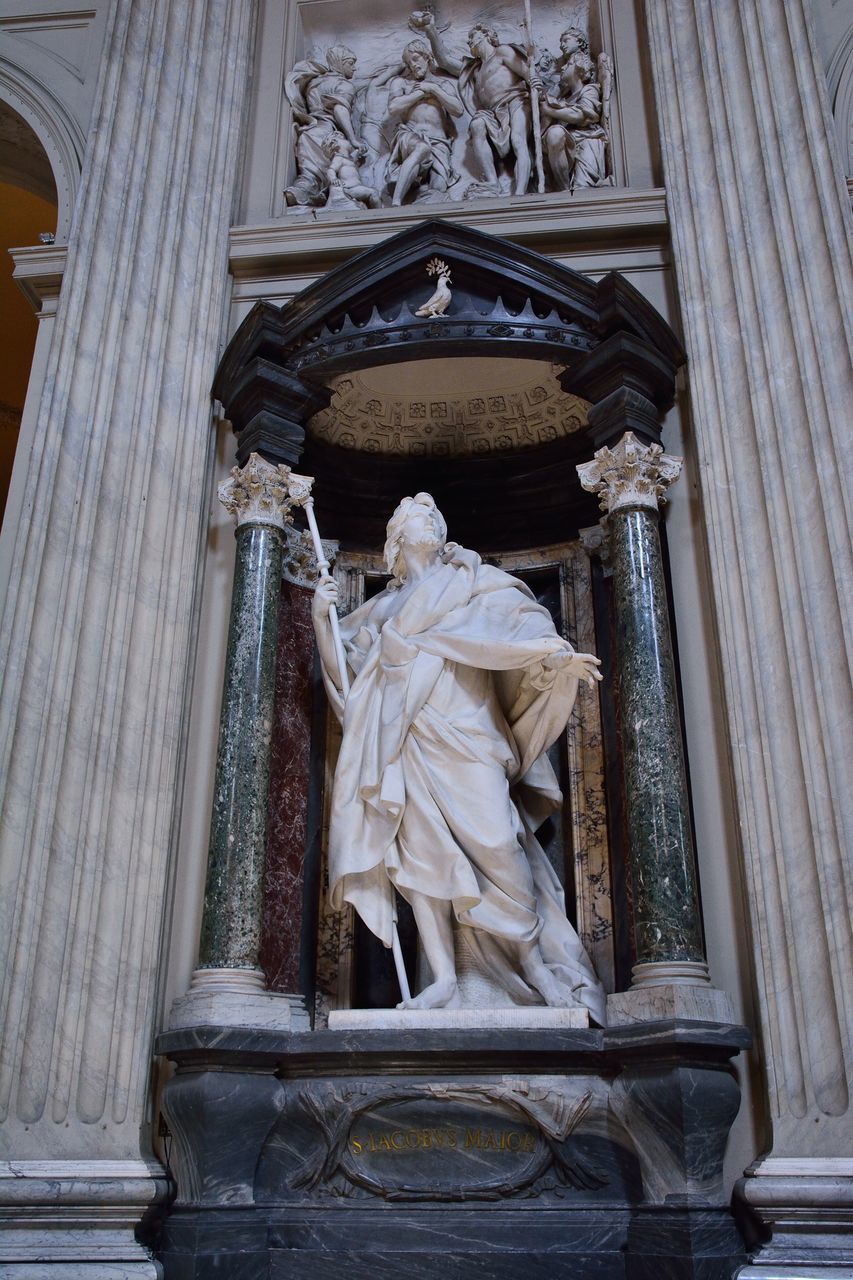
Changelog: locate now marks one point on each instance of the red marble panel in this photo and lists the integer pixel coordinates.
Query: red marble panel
(288, 801)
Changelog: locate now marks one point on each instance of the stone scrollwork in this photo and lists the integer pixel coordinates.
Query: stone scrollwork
(300, 560)
(632, 474)
(456, 1141)
(494, 118)
(262, 493)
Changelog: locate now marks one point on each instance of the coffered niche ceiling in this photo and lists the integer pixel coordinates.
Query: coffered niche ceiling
(446, 408)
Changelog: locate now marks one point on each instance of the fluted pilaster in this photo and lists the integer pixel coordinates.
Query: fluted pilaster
(97, 633)
(758, 214)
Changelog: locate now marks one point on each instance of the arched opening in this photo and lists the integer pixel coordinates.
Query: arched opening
(28, 216)
(489, 407)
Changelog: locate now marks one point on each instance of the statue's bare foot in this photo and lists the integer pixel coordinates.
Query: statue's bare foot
(555, 994)
(443, 994)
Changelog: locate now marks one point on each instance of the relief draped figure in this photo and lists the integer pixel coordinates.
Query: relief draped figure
(321, 95)
(427, 107)
(443, 125)
(494, 83)
(574, 133)
(460, 685)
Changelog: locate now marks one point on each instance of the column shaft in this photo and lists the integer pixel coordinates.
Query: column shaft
(667, 925)
(228, 987)
(231, 927)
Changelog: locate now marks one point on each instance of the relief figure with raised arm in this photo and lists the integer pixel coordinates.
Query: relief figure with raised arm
(494, 84)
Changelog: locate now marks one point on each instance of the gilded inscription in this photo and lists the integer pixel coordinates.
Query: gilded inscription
(443, 1139)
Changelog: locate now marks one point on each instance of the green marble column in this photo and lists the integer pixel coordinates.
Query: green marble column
(231, 925)
(260, 496)
(631, 480)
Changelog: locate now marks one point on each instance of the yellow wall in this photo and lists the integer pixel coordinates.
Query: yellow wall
(22, 217)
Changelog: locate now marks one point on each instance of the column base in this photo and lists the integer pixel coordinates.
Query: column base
(670, 989)
(807, 1206)
(62, 1219)
(237, 998)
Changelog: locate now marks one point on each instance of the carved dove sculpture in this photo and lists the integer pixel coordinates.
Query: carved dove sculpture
(440, 300)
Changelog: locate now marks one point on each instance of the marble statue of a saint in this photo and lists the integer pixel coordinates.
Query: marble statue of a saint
(321, 95)
(573, 118)
(426, 106)
(494, 83)
(460, 685)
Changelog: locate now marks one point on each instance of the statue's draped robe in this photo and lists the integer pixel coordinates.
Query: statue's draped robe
(442, 779)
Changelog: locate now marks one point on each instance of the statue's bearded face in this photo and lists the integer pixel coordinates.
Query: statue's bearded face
(417, 522)
(418, 64)
(419, 529)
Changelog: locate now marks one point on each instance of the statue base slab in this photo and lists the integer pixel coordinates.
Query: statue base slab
(225, 1008)
(693, 1003)
(518, 1017)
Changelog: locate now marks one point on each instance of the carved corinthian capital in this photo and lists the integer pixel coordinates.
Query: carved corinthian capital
(632, 474)
(262, 493)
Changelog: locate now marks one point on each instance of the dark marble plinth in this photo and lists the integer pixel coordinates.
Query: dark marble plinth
(593, 1153)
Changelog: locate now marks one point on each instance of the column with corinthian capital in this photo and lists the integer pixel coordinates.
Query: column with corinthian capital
(228, 986)
(670, 976)
(760, 224)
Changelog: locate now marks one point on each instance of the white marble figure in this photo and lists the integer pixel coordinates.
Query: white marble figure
(440, 300)
(494, 83)
(346, 186)
(460, 685)
(321, 95)
(574, 117)
(427, 106)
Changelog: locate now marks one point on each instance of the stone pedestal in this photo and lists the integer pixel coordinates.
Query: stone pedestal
(97, 637)
(762, 263)
(562, 1153)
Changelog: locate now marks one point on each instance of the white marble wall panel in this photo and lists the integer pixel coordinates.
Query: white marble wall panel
(758, 214)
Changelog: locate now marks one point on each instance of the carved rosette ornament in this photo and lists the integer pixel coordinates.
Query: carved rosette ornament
(632, 474)
(263, 493)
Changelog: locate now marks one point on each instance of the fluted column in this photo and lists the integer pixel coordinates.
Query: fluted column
(97, 636)
(760, 220)
(631, 480)
(228, 986)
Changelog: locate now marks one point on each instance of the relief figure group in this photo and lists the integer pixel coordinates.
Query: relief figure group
(437, 125)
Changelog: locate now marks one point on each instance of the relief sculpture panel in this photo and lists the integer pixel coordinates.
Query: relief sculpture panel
(450, 110)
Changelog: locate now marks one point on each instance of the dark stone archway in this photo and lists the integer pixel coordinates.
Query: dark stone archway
(611, 348)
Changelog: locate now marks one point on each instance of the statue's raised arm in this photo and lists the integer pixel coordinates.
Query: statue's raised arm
(423, 22)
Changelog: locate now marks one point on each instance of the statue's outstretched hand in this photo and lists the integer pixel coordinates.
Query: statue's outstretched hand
(326, 594)
(582, 665)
